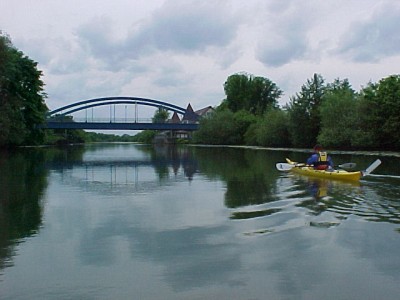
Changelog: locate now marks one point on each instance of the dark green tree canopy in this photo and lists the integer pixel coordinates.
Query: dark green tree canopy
(304, 112)
(160, 116)
(22, 97)
(380, 103)
(250, 93)
(338, 113)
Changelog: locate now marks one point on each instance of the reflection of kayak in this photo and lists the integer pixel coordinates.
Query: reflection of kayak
(333, 174)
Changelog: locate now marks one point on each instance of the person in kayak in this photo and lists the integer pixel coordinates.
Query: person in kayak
(320, 160)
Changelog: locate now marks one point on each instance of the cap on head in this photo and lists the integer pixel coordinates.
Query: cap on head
(317, 148)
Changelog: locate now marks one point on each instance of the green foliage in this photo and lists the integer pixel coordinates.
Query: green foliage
(252, 94)
(160, 116)
(367, 130)
(95, 137)
(272, 130)
(220, 129)
(243, 120)
(21, 97)
(145, 136)
(338, 114)
(383, 120)
(304, 118)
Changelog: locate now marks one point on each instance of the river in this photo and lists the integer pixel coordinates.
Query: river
(128, 221)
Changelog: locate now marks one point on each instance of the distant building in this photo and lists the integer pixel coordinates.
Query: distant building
(205, 112)
(175, 118)
(190, 116)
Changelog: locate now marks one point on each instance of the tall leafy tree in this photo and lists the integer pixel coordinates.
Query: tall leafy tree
(253, 94)
(338, 114)
(160, 116)
(272, 129)
(222, 128)
(303, 108)
(22, 97)
(380, 105)
(11, 125)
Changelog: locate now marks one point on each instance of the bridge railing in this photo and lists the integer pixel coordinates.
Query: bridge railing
(68, 119)
(102, 120)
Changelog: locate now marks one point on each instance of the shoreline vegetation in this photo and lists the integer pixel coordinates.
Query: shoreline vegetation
(332, 114)
(300, 150)
(306, 150)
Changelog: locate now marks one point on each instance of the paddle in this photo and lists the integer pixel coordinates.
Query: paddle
(287, 167)
(371, 168)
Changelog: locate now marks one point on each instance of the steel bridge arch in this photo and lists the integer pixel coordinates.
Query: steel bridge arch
(85, 104)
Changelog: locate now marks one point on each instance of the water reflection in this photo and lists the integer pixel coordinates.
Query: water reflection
(22, 184)
(371, 200)
(128, 218)
(125, 168)
(249, 175)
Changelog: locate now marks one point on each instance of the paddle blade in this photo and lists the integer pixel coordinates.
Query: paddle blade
(347, 166)
(372, 167)
(284, 167)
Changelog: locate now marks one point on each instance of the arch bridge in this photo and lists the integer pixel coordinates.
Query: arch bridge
(61, 118)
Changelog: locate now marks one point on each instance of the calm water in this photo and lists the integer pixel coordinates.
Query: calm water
(132, 222)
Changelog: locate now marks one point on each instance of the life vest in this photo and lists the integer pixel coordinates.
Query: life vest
(322, 163)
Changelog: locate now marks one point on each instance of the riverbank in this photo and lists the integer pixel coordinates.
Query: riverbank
(304, 150)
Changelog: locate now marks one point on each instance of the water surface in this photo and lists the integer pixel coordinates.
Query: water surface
(125, 221)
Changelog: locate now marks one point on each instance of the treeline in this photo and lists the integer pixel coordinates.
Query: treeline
(22, 106)
(22, 98)
(94, 137)
(332, 114)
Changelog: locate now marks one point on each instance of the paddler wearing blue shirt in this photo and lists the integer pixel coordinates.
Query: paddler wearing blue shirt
(320, 160)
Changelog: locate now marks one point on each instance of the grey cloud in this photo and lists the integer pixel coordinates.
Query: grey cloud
(58, 56)
(281, 50)
(191, 26)
(287, 40)
(97, 38)
(279, 54)
(178, 26)
(374, 39)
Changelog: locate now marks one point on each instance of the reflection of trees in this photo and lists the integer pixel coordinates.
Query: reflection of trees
(64, 157)
(163, 156)
(119, 167)
(22, 183)
(250, 175)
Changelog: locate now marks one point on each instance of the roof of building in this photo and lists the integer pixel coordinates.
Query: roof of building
(190, 115)
(205, 110)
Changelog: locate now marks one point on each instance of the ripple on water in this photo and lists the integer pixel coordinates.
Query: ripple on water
(301, 202)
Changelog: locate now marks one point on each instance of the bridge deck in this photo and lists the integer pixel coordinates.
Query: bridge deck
(121, 126)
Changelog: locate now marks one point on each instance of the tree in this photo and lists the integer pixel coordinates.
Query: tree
(338, 114)
(380, 105)
(249, 93)
(243, 120)
(303, 109)
(160, 116)
(272, 130)
(22, 97)
(220, 129)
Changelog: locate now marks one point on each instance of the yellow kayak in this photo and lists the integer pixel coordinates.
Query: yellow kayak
(333, 174)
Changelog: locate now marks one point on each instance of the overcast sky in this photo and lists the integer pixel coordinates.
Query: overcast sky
(182, 51)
